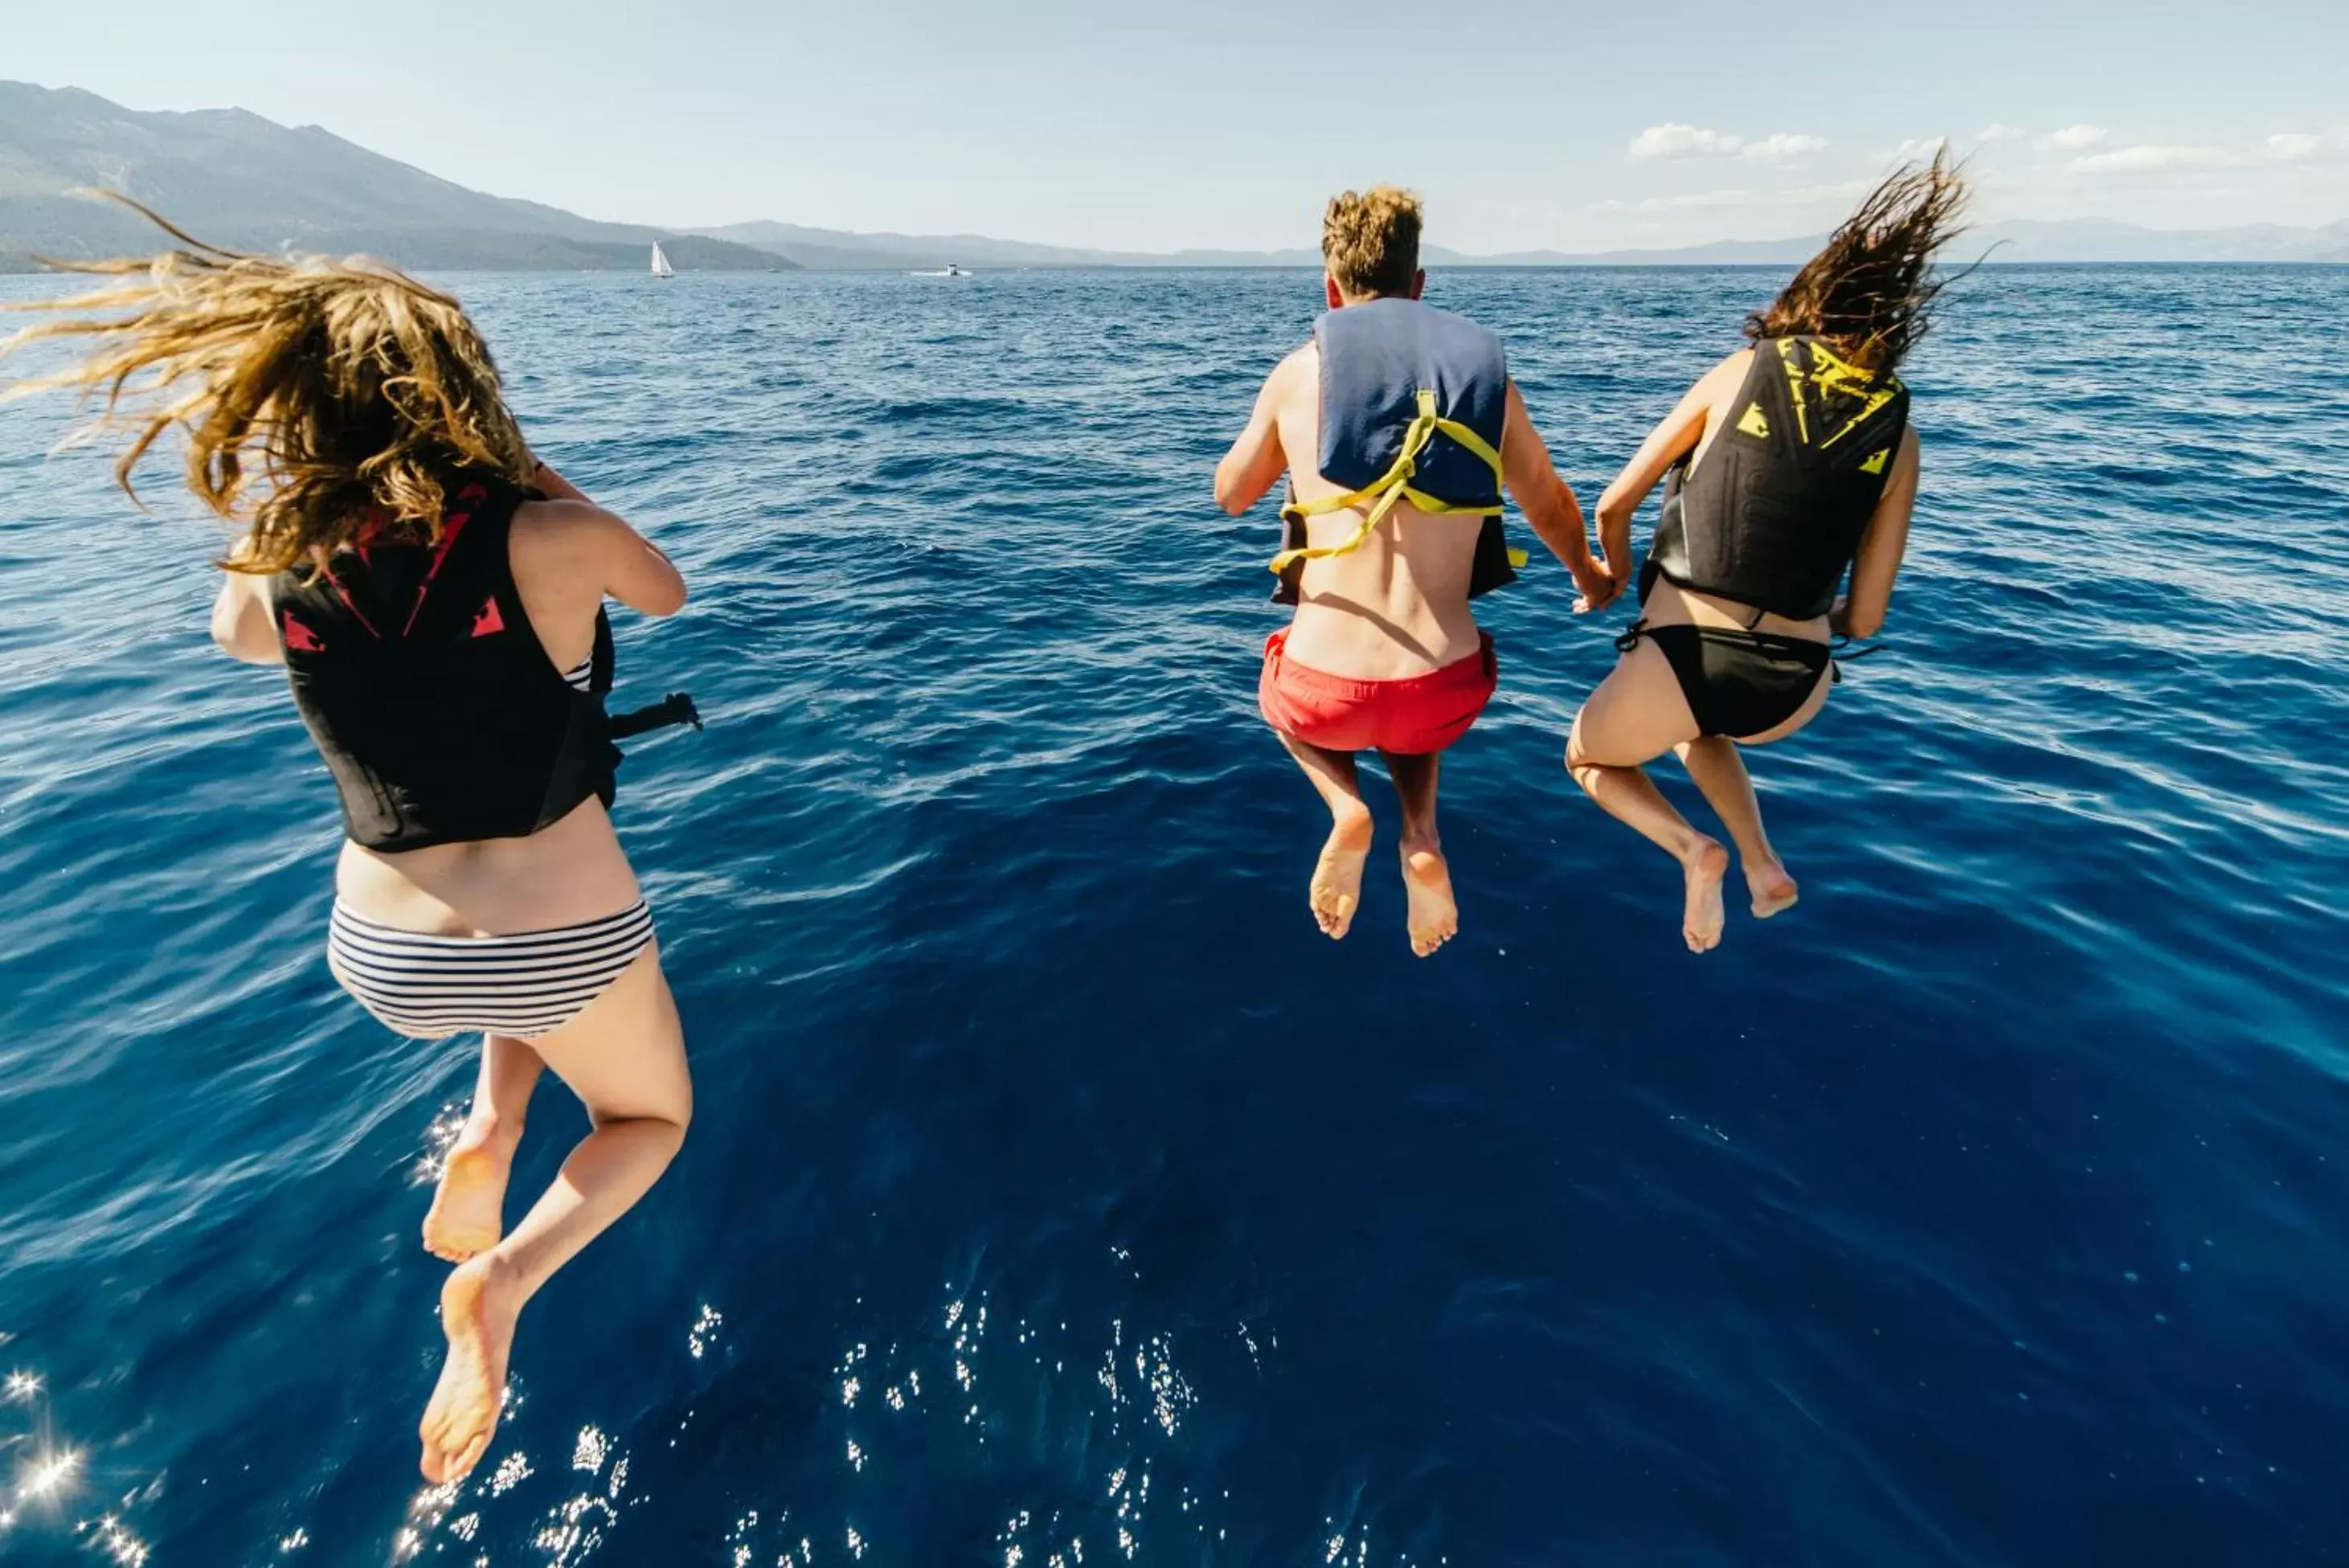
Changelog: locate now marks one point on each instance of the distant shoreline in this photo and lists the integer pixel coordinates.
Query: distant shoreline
(24, 266)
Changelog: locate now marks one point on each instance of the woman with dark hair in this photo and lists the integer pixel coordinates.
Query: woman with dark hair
(435, 594)
(1787, 465)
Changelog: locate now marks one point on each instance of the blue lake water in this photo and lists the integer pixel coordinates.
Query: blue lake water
(1059, 1195)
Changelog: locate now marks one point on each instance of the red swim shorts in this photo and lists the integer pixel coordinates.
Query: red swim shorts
(1419, 714)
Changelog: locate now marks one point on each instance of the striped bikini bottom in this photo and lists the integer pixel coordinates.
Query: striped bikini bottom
(523, 985)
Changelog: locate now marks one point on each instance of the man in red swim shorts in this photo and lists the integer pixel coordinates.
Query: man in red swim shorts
(1399, 429)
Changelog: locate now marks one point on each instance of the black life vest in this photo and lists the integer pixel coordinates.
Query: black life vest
(1774, 515)
(432, 701)
(1414, 401)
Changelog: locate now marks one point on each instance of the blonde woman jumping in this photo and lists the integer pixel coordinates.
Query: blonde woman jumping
(435, 595)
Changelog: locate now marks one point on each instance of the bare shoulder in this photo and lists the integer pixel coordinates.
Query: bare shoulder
(1717, 385)
(560, 519)
(1301, 368)
(574, 530)
(1295, 384)
(577, 546)
(563, 542)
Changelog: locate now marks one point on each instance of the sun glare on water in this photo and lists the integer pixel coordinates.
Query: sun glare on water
(47, 1475)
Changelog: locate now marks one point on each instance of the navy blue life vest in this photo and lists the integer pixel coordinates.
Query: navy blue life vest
(1401, 378)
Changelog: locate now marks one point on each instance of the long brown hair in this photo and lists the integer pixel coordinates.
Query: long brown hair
(1870, 292)
(354, 394)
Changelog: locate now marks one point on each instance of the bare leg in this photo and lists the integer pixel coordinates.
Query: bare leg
(468, 1212)
(1434, 917)
(1638, 713)
(1720, 772)
(625, 1058)
(1336, 890)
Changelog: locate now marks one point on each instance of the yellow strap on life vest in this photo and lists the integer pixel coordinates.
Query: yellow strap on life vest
(1833, 375)
(1382, 493)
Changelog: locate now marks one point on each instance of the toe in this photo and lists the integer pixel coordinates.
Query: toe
(434, 1464)
(469, 1456)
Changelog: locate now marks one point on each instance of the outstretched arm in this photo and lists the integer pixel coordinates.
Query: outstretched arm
(1256, 461)
(1886, 540)
(1675, 437)
(1550, 508)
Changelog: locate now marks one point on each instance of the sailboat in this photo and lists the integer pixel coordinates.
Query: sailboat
(660, 263)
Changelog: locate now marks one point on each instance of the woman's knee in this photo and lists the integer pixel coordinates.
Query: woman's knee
(1590, 747)
(670, 1105)
(664, 1125)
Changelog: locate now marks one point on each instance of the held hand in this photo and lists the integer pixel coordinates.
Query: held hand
(1597, 586)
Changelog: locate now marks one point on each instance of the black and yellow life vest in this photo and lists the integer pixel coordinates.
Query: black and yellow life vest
(1412, 403)
(1772, 516)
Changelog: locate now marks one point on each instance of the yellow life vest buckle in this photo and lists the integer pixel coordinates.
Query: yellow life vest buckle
(1382, 493)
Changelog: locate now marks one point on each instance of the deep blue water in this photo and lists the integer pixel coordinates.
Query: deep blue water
(1057, 1193)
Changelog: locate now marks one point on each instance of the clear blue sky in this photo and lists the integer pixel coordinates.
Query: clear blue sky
(1226, 122)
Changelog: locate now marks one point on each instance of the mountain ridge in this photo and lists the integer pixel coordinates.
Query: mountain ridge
(236, 179)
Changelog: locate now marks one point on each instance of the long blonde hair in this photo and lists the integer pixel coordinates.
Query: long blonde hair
(354, 394)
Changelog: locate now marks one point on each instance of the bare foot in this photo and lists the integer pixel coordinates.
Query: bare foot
(468, 1212)
(1434, 918)
(1702, 921)
(478, 1307)
(1774, 891)
(1336, 890)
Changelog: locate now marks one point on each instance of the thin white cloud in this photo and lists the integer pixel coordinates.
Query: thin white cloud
(1989, 133)
(2072, 138)
(1678, 141)
(1780, 146)
(1675, 140)
(2296, 146)
(2141, 159)
(1918, 147)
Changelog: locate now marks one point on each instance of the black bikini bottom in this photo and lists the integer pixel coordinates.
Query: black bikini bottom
(1737, 683)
